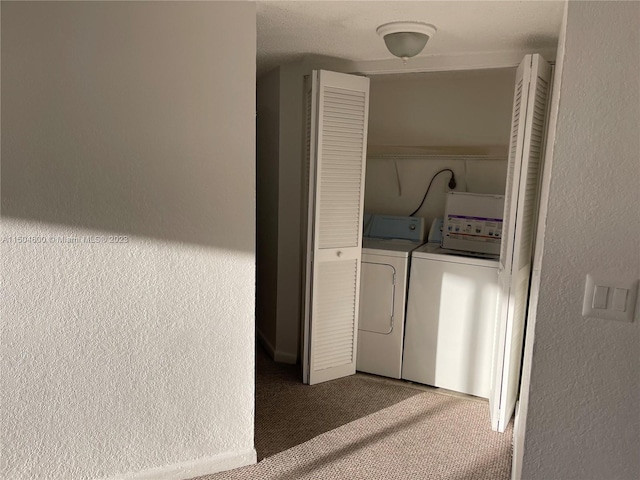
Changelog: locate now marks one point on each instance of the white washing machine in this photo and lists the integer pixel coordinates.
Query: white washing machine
(451, 313)
(383, 293)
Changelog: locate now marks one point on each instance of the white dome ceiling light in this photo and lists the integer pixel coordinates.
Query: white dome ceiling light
(406, 39)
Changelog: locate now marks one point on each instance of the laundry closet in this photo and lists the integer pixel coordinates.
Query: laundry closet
(422, 129)
(430, 320)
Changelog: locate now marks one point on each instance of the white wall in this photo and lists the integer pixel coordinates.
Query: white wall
(291, 161)
(439, 114)
(442, 109)
(583, 417)
(382, 194)
(133, 119)
(278, 209)
(267, 197)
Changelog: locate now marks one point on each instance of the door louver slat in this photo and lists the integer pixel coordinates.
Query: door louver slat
(505, 245)
(531, 175)
(335, 309)
(340, 174)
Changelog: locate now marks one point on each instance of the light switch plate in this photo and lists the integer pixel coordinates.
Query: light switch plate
(613, 310)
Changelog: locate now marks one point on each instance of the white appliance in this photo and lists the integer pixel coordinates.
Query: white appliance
(473, 222)
(383, 292)
(451, 314)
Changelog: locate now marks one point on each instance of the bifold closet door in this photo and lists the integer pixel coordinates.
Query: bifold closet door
(528, 128)
(337, 115)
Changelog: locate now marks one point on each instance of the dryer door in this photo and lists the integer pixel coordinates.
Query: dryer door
(377, 292)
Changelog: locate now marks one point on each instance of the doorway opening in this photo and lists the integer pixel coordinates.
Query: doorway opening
(391, 161)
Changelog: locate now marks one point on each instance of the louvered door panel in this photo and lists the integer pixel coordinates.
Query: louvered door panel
(508, 228)
(521, 196)
(513, 347)
(517, 131)
(341, 171)
(531, 173)
(307, 143)
(333, 323)
(338, 152)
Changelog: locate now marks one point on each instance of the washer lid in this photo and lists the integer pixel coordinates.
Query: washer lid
(433, 251)
(388, 247)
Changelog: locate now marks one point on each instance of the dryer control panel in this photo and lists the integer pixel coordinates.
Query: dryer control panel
(392, 227)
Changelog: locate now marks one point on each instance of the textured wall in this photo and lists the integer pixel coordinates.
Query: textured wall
(136, 120)
(584, 416)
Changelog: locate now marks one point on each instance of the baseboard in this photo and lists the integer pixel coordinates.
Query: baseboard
(284, 357)
(195, 468)
(276, 355)
(268, 346)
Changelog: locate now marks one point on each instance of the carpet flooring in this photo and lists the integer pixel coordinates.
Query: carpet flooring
(363, 427)
(289, 413)
(428, 436)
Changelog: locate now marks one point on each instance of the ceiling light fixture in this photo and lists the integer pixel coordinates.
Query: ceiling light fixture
(406, 39)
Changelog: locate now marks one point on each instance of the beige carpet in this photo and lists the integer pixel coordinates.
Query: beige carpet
(428, 436)
(365, 427)
(289, 413)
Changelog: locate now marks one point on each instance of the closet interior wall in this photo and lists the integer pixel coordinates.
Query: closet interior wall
(421, 123)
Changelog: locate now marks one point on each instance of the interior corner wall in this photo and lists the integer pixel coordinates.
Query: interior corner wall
(289, 225)
(128, 226)
(279, 100)
(583, 419)
(267, 205)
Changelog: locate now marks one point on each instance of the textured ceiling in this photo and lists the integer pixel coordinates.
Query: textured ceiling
(290, 30)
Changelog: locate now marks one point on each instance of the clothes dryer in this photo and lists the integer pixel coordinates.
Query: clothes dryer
(383, 291)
